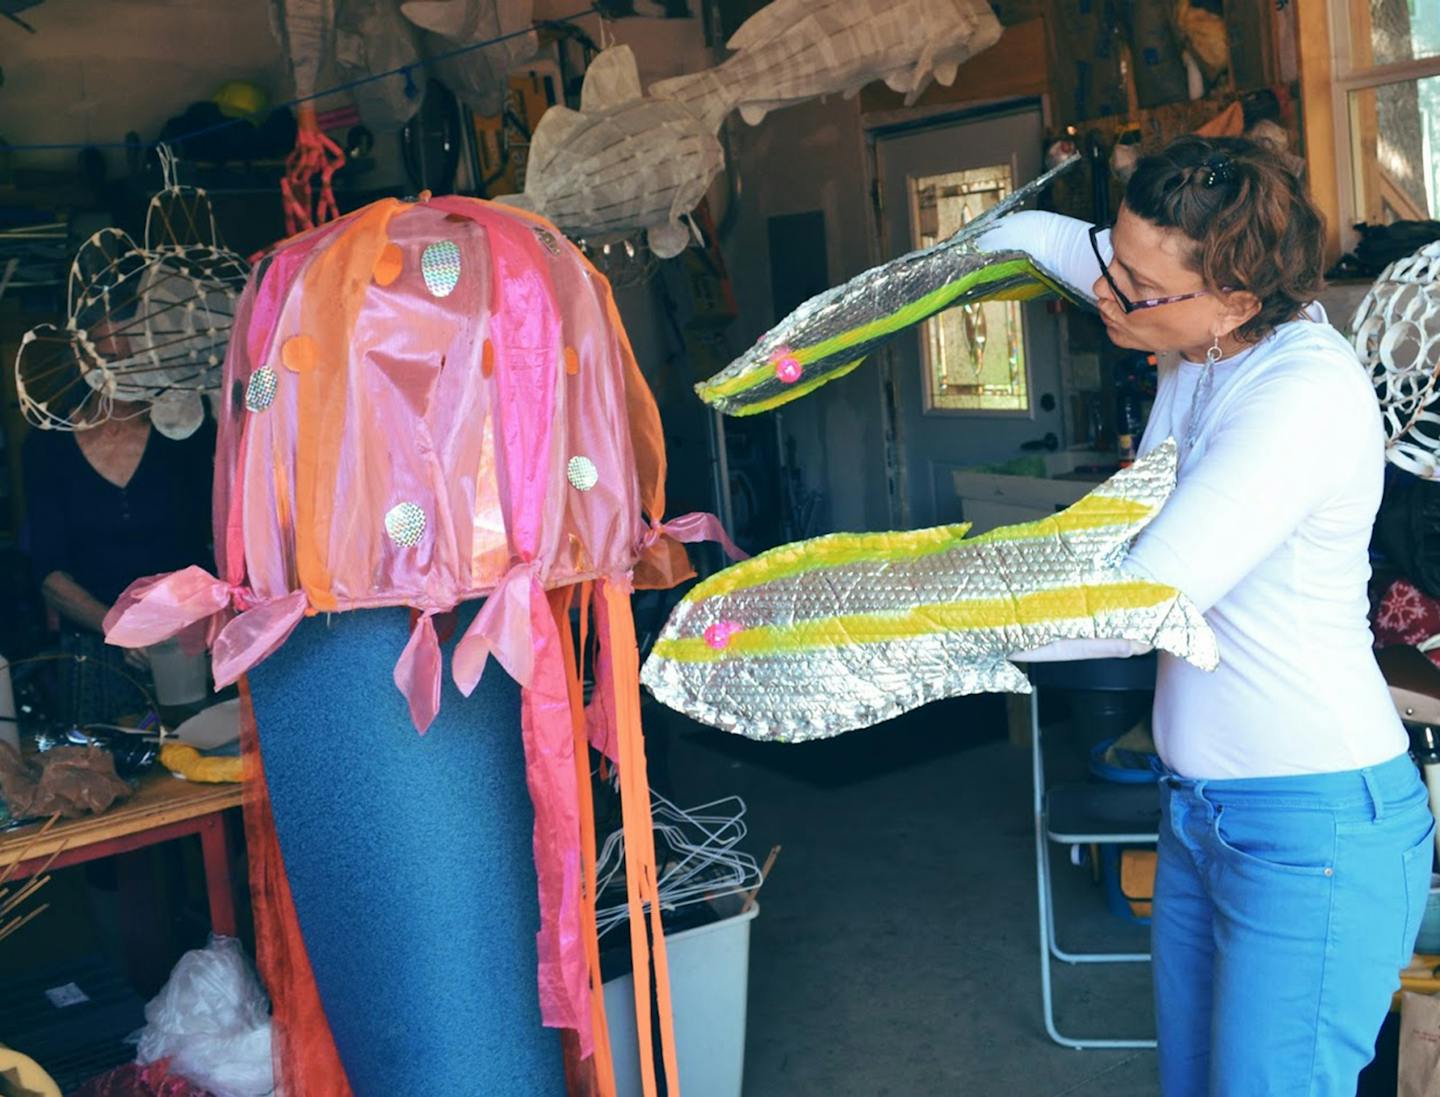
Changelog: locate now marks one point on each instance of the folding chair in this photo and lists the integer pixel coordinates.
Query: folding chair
(1082, 814)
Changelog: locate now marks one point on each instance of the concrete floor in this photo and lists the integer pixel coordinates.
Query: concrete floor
(896, 952)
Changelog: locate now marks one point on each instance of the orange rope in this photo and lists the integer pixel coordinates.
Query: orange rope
(640, 874)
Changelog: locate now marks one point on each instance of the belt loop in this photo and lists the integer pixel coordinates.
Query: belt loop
(1377, 802)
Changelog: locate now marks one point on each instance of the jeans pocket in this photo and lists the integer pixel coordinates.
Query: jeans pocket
(1294, 843)
(1416, 862)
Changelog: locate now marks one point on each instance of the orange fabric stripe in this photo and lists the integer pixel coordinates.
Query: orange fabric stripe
(640, 874)
(329, 319)
(604, 1068)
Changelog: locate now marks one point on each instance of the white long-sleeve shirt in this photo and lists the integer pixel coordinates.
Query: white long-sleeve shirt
(1268, 532)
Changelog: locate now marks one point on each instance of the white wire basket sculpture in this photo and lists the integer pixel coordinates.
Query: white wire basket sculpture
(1397, 336)
(146, 325)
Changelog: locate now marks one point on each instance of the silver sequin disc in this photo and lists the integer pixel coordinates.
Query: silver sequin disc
(583, 473)
(405, 523)
(260, 391)
(440, 264)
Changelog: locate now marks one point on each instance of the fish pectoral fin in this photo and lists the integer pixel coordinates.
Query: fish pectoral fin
(668, 240)
(753, 113)
(1186, 635)
(446, 20)
(898, 80)
(945, 72)
(1005, 677)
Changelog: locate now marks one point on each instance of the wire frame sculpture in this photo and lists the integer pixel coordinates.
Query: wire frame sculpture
(147, 324)
(1397, 335)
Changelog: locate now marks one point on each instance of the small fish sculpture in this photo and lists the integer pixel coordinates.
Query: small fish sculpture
(476, 76)
(622, 162)
(821, 637)
(834, 332)
(793, 50)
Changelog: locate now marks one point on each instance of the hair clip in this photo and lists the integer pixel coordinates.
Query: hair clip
(1221, 171)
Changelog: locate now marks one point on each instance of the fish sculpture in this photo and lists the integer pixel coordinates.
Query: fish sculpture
(834, 332)
(621, 162)
(793, 50)
(476, 76)
(820, 637)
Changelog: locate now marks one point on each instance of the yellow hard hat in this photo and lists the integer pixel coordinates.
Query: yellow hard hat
(241, 99)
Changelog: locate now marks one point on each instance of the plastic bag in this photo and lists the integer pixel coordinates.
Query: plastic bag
(212, 1020)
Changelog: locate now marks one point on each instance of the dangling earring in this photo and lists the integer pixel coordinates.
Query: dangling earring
(1214, 354)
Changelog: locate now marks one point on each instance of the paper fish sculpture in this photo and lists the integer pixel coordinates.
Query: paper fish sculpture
(1397, 336)
(477, 76)
(834, 332)
(821, 637)
(622, 162)
(793, 50)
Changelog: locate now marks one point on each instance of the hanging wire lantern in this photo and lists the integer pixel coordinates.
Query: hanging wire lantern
(147, 324)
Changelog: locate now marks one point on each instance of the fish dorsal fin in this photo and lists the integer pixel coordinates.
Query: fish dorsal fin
(611, 79)
(1116, 511)
(556, 126)
(768, 23)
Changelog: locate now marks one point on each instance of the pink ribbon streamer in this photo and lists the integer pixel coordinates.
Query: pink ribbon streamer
(255, 635)
(692, 528)
(157, 607)
(417, 674)
(502, 628)
(550, 774)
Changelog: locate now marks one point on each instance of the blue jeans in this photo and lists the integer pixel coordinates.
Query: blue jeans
(1285, 908)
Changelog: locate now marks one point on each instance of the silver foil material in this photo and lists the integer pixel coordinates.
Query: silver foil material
(821, 637)
(833, 332)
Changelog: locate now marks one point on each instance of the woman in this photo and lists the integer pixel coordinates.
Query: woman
(1295, 839)
(106, 506)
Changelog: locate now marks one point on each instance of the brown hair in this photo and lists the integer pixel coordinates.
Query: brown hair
(1246, 210)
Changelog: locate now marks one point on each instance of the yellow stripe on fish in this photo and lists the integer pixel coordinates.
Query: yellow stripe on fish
(903, 317)
(1094, 512)
(980, 614)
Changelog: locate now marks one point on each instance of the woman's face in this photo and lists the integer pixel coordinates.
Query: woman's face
(1150, 262)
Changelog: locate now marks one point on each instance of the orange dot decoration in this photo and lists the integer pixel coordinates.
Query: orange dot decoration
(298, 353)
(487, 359)
(389, 265)
(572, 361)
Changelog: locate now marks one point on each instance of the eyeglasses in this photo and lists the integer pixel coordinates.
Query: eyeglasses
(1125, 303)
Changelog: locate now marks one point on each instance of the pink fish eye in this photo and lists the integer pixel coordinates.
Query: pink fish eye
(787, 366)
(718, 635)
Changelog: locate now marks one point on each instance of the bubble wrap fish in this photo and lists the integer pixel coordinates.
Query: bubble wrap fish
(821, 637)
(834, 332)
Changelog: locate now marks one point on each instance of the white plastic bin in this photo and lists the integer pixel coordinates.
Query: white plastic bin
(709, 981)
